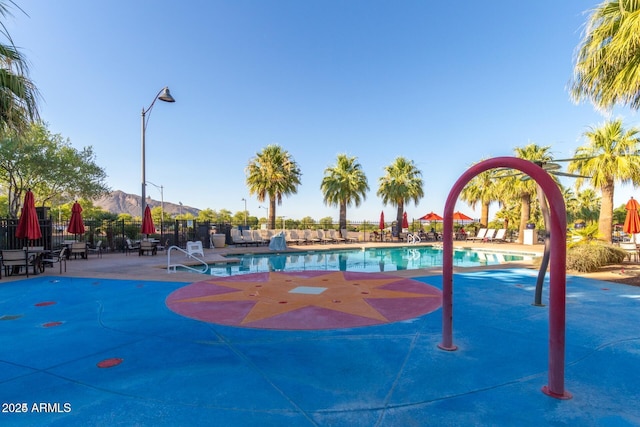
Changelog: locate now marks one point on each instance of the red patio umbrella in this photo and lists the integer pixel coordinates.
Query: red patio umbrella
(147, 223)
(28, 224)
(632, 220)
(405, 221)
(76, 224)
(381, 225)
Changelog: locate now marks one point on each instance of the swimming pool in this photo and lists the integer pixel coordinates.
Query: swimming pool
(360, 259)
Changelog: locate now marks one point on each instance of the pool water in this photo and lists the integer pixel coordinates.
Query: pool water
(361, 259)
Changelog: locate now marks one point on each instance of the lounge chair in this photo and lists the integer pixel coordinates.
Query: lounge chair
(480, 236)
(489, 235)
(345, 235)
(499, 237)
(325, 237)
(257, 237)
(236, 237)
(247, 236)
(311, 236)
(337, 237)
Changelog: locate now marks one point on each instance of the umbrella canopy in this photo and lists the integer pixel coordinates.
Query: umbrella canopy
(405, 221)
(459, 216)
(632, 220)
(147, 222)
(431, 216)
(381, 225)
(76, 224)
(28, 224)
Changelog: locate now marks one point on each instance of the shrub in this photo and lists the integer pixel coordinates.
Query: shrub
(589, 257)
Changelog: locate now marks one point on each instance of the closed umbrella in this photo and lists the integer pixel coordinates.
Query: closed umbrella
(405, 221)
(76, 224)
(381, 225)
(147, 223)
(632, 220)
(28, 224)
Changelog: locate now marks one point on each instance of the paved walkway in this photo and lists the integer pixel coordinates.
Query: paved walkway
(102, 345)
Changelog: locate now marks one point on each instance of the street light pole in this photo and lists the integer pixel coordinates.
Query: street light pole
(165, 96)
(161, 210)
(245, 212)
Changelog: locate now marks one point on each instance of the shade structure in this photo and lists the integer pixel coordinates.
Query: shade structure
(147, 222)
(28, 224)
(405, 221)
(632, 220)
(76, 224)
(460, 217)
(431, 216)
(381, 224)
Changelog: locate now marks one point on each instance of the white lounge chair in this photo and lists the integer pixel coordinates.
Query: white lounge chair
(499, 237)
(490, 233)
(480, 236)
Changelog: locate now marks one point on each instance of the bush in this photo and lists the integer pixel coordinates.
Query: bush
(589, 257)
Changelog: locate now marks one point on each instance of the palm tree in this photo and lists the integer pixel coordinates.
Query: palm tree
(526, 189)
(272, 173)
(401, 183)
(608, 56)
(18, 94)
(344, 184)
(610, 155)
(481, 188)
(589, 205)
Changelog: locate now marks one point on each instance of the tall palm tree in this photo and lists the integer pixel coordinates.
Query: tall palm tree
(607, 60)
(344, 184)
(18, 94)
(402, 182)
(526, 189)
(272, 173)
(610, 155)
(481, 188)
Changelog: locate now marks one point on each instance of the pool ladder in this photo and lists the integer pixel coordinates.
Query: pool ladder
(412, 238)
(171, 268)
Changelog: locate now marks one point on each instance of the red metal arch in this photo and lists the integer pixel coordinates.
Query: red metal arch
(557, 282)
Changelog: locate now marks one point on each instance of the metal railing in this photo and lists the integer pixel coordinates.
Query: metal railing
(172, 268)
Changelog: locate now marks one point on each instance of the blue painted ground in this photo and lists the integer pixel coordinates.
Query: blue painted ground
(177, 371)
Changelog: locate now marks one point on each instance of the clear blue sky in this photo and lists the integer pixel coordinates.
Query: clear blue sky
(443, 83)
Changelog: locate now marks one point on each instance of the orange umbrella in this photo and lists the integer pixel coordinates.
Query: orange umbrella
(28, 224)
(76, 224)
(147, 223)
(632, 220)
(431, 216)
(459, 216)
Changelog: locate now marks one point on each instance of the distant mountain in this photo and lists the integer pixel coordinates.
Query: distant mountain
(118, 202)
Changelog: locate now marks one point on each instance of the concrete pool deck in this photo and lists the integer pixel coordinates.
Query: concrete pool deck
(99, 346)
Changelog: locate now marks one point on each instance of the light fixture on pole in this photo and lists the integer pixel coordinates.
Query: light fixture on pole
(245, 212)
(165, 96)
(161, 209)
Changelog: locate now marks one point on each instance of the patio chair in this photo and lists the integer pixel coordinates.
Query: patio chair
(58, 257)
(15, 259)
(97, 250)
(148, 247)
(631, 249)
(131, 247)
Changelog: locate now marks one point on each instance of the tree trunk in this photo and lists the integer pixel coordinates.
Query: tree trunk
(343, 215)
(605, 223)
(272, 213)
(525, 214)
(484, 214)
(399, 215)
